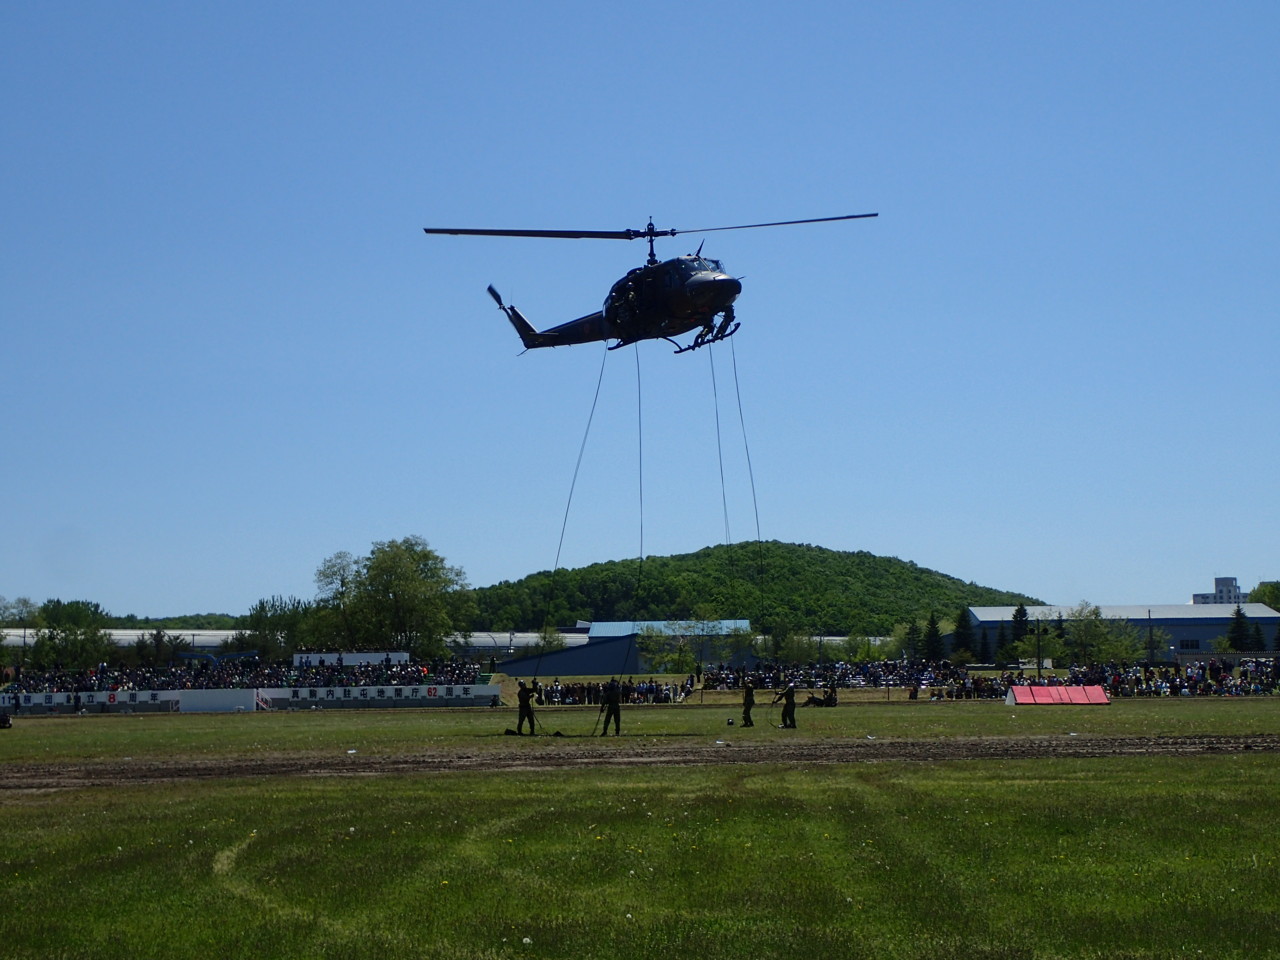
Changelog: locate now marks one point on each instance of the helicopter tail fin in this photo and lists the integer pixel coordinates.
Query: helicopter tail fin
(528, 335)
(592, 327)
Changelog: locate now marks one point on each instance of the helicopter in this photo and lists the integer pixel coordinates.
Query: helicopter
(658, 301)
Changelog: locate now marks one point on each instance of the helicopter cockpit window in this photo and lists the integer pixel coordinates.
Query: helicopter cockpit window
(702, 264)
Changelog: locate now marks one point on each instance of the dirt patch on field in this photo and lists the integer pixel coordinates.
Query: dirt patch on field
(567, 752)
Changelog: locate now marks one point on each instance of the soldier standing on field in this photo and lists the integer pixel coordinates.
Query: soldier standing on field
(788, 698)
(612, 707)
(748, 701)
(524, 696)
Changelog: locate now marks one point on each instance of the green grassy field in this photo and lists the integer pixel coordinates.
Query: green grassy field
(1129, 857)
(44, 739)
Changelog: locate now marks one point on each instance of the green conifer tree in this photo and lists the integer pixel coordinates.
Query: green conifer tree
(933, 646)
(1238, 631)
(962, 637)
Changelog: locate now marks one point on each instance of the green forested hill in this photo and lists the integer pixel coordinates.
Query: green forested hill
(795, 587)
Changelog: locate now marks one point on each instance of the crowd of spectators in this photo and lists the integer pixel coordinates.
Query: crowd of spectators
(941, 680)
(913, 675)
(1249, 676)
(248, 673)
(937, 680)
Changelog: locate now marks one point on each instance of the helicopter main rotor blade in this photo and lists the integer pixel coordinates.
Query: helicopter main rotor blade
(779, 223)
(555, 234)
(648, 232)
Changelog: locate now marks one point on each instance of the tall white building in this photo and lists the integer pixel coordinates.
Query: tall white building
(1225, 590)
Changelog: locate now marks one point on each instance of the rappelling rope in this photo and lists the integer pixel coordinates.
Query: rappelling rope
(578, 465)
(626, 653)
(731, 554)
(755, 505)
(564, 524)
(715, 397)
(640, 460)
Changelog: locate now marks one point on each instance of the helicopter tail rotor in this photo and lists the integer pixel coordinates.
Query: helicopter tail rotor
(528, 335)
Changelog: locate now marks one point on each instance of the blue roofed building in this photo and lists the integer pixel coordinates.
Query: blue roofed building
(1191, 628)
(613, 648)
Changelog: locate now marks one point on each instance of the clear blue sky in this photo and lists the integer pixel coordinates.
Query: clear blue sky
(229, 350)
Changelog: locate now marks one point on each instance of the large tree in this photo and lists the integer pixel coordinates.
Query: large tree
(1041, 643)
(72, 636)
(18, 613)
(1268, 592)
(402, 596)
(1121, 643)
(276, 628)
(673, 649)
(335, 613)
(1087, 632)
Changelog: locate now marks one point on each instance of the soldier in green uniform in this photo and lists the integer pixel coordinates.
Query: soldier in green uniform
(524, 697)
(612, 708)
(788, 698)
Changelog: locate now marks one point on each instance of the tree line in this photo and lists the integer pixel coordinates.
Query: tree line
(403, 595)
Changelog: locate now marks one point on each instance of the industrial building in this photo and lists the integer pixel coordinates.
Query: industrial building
(612, 648)
(1191, 628)
(1225, 590)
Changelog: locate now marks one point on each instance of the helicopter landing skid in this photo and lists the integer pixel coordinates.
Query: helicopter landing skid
(702, 341)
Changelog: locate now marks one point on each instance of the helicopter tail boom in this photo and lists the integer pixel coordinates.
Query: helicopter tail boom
(583, 330)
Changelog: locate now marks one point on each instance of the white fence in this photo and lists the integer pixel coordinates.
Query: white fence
(248, 700)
